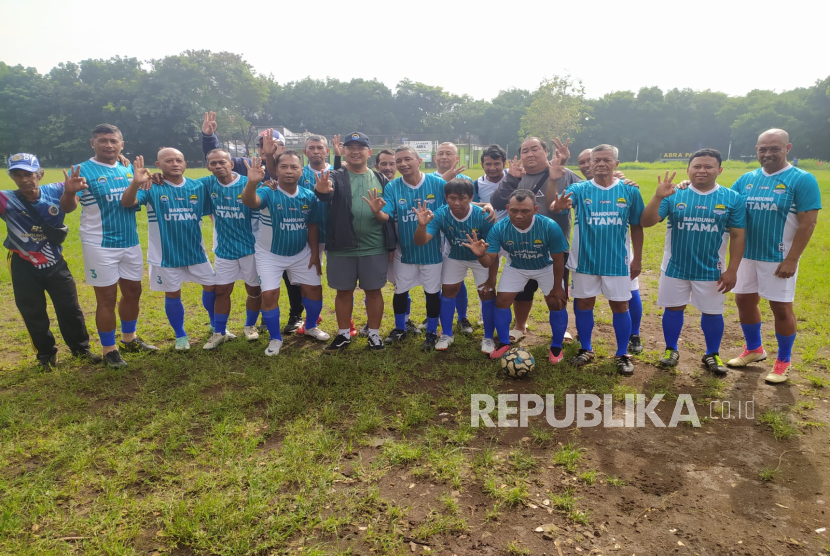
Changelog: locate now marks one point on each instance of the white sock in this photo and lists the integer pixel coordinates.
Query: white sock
(344, 332)
(374, 331)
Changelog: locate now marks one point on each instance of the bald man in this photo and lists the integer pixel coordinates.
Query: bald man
(176, 252)
(782, 204)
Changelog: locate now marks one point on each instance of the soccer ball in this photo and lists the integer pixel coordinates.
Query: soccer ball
(517, 363)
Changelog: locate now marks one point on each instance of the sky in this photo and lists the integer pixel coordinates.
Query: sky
(476, 48)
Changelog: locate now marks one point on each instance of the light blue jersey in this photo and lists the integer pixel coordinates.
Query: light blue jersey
(233, 229)
(104, 222)
(772, 202)
(284, 219)
(308, 181)
(697, 232)
(463, 177)
(401, 198)
(602, 216)
(456, 231)
(174, 213)
(529, 249)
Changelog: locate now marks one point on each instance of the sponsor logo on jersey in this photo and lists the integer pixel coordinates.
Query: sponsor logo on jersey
(748, 186)
(305, 209)
(764, 187)
(701, 207)
(214, 196)
(719, 209)
(239, 200)
(279, 206)
(680, 206)
(54, 210)
(605, 202)
(537, 242)
(194, 199)
(402, 202)
(588, 201)
(780, 189)
(164, 198)
(508, 243)
(621, 202)
(102, 179)
(118, 178)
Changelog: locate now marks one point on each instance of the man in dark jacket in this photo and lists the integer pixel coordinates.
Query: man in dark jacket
(357, 245)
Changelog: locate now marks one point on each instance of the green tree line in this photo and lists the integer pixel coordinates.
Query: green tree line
(161, 102)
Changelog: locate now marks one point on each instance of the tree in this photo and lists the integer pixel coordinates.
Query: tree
(557, 110)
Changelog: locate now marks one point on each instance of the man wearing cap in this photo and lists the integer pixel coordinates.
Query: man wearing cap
(357, 244)
(35, 230)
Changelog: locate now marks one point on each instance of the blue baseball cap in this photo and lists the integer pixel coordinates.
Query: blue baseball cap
(356, 137)
(24, 161)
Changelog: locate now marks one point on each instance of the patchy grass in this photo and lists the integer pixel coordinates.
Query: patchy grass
(779, 422)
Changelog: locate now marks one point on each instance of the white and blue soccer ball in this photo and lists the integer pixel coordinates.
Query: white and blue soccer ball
(517, 363)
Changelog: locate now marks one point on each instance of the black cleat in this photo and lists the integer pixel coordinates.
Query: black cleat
(412, 328)
(136, 345)
(374, 341)
(624, 365)
(635, 345)
(465, 326)
(397, 335)
(339, 343)
(113, 359)
(47, 363)
(88, 356)
(429, 341)
(293, 324)
(583, 357)
(670, 359)
(714, 364)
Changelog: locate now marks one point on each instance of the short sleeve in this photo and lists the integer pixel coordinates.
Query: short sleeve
(665, 208)
(143, 197)
(737, 213)
(264, 193)
(494, 240)
(315, 212)
(807, 194)
(434, 227)
(637, 207)
(738, 186)
(485, 227)
(391, 206)
(556, 239)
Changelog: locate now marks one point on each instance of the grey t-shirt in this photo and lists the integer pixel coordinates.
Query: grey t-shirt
(545, 197)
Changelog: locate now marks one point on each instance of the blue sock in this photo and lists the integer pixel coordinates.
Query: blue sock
(208, 301)
(221, 323)
(502, 319)
(635, 309)
(488, 316)
(400, 321)
(752, 335)
(128, 326)
(312, 311)
(585, 326)
(712, 326)
(461, 302)
(785, 347)
(672, 325)
(251, 317)
(107, 338)
(272, 321)
(622, 330)
(408, 309)
(175, 315)
(448, 305)
(432, 325)
(558, 326)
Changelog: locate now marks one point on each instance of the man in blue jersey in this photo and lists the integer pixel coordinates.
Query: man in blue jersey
(233, 246)
(419, 265)
(34, 233)
(782, 204)
(457, 220)
(109, 241)
(287, 241)
(175, 250)
(536, 246)
(701, 219)
(606, 251)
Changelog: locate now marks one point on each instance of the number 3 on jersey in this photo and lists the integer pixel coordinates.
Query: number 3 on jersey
(158, 279)
(93, 273)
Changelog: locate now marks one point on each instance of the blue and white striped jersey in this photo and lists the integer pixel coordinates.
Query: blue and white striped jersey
(233, 222)
(529, 249)
(284, 219)
(104, 222)
(455, 231)
(401, 200)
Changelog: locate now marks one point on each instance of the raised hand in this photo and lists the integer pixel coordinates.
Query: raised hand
(454, 171)
(73, 182)
(324, 184)
(209, 125)
(665, 187)
(376, 202)
(563, 201)
(425, 215)
(256, 173)
(476, 245)
(563, 153)
(336, 145)
(269, 145)
(141, 175)
(516, 169)
(555, 169)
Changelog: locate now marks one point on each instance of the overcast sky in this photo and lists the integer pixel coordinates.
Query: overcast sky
(475, 47)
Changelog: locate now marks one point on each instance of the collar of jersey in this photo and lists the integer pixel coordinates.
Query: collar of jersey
(420, 183)
(699, 192)
(105, 165)
(532, 223)
(233, 182)
(484, 178)
(782, 170)
(469, 212)
(286, 193)
(318, 172)
(612, 186)
(171, 184)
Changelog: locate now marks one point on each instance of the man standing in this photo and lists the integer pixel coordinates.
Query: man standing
(109, 241)
(35, 231)
(782, 204)
(601, 259)
(494, 163)
(385, 164)
(701, 219)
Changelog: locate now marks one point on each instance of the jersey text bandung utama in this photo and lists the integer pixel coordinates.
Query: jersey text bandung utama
(602, 218)
(401, 200)
(284, 220)
(697, 231)
(233, 229)
(104, 222)
(529, 249)
(772, 204)
(456, 231)
(174, 215)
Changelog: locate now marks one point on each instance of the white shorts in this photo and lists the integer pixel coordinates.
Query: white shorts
(390, 273)
(675, 292)
(271, 267)
(104, 266)
(614, 288)
(408, 276)
(229, 271)
(514, 280)
(166, 279)
(454, 271)
(758, 277)
(635, 284)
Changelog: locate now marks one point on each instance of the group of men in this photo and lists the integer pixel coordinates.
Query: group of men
(274, 218)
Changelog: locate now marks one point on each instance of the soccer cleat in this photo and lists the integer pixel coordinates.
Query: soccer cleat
(301, 329)
(488, 345)
(183, 343)
(88, 356)
(780, 372)
(412, 328)
(352, 329)
(340, 342)
(583, 357)
(251, 333)
(516, 335)
(215, 341)
(444, 342)
(364, 331)
(114, 360)
(747, 357)
(635, 344)
(230, 335)
(47, 363)
(500, 350)
(423, 325)
(568, 337)
(273, 348)
(624, 365)
(294, 323)
(137, 344)
(430, 339)
(374, 341)
(714, 364)
(670, 358)
(554, 359)
(397, 335)
(465, 326)
(318, 334)
(262, 329)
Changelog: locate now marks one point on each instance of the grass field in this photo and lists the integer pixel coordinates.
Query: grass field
(232, 452)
